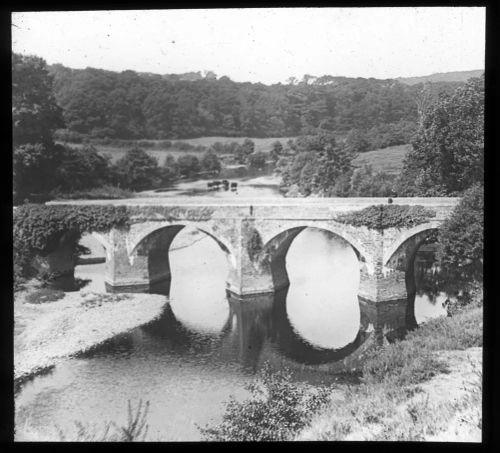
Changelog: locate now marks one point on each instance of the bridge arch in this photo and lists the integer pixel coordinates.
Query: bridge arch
(343, 232)
(139, 235)
(275, 249)
(406, 243)
(150, 247)
(401, 259)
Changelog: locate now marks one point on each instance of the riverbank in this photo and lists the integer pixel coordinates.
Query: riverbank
(427, 387)
(45, 333)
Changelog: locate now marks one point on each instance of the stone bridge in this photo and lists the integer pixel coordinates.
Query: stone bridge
(255, 235)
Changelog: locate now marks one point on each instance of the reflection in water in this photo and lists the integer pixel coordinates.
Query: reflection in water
(198, 288)
(322, 301)
(206, 346)
(429, 299)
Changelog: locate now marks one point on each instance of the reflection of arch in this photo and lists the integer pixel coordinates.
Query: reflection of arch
(275, 250)
(296, 348)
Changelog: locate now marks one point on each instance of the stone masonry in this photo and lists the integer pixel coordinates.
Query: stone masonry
(255, 235)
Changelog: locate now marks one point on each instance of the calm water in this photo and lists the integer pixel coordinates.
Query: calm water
(206, 347)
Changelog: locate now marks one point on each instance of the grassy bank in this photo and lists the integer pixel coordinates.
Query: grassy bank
(65, 324)
(426, 387)
(423, 388)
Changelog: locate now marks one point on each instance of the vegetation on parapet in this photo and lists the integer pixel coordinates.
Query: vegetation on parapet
(381, 217)
(38, 230)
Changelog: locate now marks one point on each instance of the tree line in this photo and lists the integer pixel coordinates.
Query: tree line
(130, 105)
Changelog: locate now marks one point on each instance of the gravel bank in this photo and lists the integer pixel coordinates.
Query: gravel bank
(76, 323)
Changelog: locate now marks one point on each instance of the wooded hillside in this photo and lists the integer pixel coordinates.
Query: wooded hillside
(131, 105)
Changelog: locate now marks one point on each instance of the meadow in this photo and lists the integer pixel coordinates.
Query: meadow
(389, 160)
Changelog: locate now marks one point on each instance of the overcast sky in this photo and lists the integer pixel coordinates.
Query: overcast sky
(260, 45)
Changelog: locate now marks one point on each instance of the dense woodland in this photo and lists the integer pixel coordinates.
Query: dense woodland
(129, 105)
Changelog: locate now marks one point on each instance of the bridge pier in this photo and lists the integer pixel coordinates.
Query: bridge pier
(252, 273)
(147, 268)
(384, 292)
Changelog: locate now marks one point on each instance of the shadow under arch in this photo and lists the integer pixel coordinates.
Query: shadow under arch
(403, 260)
(155, 247)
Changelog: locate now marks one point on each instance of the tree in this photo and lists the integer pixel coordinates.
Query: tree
(210, 162)
(365, 182)
(35, 169)
(460, 241)
(318, 165)
(188, 165)
(257, 160)
(248, 146)
(35, 114)
(276, 151)
(137, 170)
(169, 172)
(447, 155)
(81, 169)
(357, 142)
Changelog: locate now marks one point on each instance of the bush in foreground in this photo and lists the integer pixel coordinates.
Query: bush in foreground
(276, 410)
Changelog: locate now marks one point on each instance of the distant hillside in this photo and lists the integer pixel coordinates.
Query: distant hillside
(456, 76)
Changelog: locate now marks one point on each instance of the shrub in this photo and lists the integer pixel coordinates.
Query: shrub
(135, 430)
(276, 410)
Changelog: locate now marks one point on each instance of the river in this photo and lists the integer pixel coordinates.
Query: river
(206, 347)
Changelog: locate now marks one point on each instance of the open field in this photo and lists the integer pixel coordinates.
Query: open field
(389, 160)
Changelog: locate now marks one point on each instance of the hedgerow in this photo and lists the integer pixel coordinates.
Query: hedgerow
(381, 217)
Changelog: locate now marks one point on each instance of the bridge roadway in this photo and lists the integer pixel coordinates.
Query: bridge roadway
(255, 234)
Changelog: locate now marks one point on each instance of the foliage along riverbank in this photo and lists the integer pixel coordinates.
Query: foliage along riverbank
(427, 387)
(48, 332)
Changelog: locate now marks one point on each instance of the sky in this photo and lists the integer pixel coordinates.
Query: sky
(260, 45)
